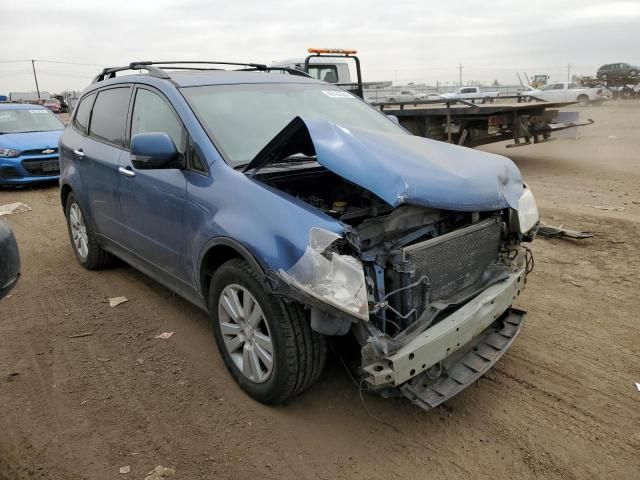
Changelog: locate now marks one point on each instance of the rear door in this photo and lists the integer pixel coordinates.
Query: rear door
(90, 152)
(102, 151)
(154, 201)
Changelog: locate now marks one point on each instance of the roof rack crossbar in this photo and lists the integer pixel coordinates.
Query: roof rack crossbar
(259, 66)
(154, 68)
(290, 71)
(110, 72)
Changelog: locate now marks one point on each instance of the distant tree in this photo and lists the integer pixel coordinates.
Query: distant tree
(496, 83)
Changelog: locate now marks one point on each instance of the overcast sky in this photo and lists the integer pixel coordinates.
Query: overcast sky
(401, 41)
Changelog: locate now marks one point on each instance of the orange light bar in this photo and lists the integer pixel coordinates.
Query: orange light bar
(343, 51)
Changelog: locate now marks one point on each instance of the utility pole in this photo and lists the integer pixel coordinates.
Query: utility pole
(460, 68)
(35, 77)
(568, 72)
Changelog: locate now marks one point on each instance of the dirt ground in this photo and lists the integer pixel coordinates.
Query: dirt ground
(561, 404)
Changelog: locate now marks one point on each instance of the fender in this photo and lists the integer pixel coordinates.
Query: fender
(235, 245)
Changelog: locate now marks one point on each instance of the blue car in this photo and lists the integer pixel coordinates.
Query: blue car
(292, 211)
(29, 137)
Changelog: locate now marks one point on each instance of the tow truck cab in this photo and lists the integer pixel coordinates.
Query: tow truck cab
(330, 65)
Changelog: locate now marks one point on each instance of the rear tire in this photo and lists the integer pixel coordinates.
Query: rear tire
(583, 100)
(83, 239)
(392, 100)
(244, 337)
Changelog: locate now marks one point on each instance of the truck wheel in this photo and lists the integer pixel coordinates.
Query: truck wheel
(392, 100)
(268, 346)
(583, 100)
(83, 239)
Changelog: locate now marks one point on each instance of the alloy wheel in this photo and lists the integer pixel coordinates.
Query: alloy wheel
(79, 231)
(245, 333)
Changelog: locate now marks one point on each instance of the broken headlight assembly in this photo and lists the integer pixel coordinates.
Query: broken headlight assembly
(329, 276)
(528, 214)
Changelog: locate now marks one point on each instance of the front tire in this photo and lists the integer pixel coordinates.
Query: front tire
(267, 346)
(83, 239)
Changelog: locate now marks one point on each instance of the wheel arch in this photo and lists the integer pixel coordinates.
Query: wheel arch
(218, 251)
(65, 190)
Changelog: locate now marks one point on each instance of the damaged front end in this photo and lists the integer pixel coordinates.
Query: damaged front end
(425, 285)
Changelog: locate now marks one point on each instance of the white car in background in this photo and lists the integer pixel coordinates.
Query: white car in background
(570, 92)
(408, 96)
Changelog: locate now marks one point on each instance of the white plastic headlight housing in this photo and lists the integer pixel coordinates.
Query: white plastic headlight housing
(330, 277)
(528, 214)
(9, 152)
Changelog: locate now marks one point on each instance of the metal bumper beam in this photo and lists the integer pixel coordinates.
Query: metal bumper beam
(451, 334)
(460, 371)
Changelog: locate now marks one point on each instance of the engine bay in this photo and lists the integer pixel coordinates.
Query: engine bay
(407, 276)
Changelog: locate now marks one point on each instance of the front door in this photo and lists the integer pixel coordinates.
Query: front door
(153, 201)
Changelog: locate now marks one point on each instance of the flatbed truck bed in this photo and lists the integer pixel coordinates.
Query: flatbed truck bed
(468, 124)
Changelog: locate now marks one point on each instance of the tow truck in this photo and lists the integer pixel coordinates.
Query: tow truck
(521, 119)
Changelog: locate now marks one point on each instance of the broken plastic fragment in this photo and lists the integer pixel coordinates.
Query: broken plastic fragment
(159, 472)
(164, 335)
(125, 469)
(16, 207)
(115, 301)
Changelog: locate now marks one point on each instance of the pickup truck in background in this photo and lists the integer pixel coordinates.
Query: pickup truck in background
(569, 92)
(471, 93)
(410, 96)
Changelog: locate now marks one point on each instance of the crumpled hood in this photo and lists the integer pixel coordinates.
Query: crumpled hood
(30, 140)
(402, 168)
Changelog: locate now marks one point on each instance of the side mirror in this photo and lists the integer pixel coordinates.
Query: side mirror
(154, 150)
(394, 119)
(9, 260)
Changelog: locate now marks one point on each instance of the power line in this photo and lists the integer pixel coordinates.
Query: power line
(71, 63)
(54, 61)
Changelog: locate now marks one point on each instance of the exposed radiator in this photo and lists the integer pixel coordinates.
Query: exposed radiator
(456, 260)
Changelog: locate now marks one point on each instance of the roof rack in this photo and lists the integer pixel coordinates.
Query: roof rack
(155, 71)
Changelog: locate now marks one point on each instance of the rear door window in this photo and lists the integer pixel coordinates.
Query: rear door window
(81, 118)
(151, 113)
(109, 115)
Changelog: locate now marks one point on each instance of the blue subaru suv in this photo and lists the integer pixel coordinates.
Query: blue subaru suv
(29, 137)
(292, 211)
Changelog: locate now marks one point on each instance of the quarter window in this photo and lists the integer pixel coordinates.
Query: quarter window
(196, 162)
(81, 118)
(152, 114)
(109, 115)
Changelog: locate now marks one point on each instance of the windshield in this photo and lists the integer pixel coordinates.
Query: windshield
(242, 119)
(28, 120)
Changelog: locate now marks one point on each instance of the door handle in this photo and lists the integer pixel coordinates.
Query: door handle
(127, 172)
(78, 153)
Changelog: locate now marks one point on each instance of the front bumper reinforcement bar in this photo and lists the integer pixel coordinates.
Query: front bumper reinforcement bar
(463, 368)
